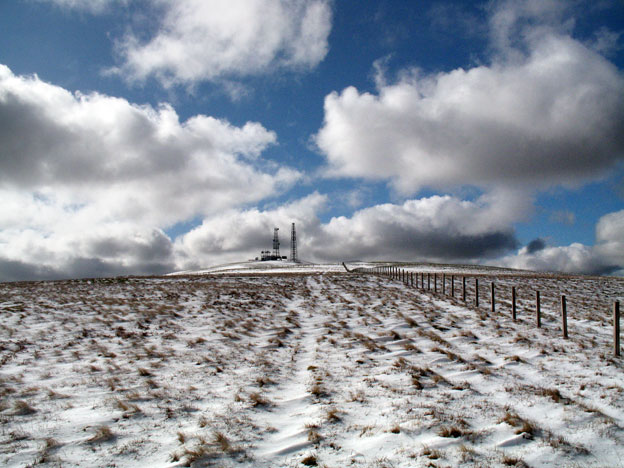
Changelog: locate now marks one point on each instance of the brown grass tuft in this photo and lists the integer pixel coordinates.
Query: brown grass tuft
(310, 460)
(22, 408)
(452, 431)
(258, 400)
(102, 434)
(333, 415)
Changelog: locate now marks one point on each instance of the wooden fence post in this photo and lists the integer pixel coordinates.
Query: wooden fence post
(428, 281)
(493, 299)
(422, 281)
(435, 282)
(453, 286)
(477, 292)
(513, 303)
(538, 309)
(616, 329)
(464, 288)
(443, 283)
(564, 316)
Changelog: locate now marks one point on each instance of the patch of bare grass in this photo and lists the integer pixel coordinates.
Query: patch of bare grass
(259, 401)
(102, 434)
(333, 415)
(310, 460)
(431, 454)
(23, 408)
(509, 460)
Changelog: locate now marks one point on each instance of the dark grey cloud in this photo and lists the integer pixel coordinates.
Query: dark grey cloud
(535, 245)
(76, 268)
(17, 270)
(92, 254)
(436, 228)
(416, 246)
(157, 247)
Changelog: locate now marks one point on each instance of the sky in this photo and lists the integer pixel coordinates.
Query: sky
(150, 136)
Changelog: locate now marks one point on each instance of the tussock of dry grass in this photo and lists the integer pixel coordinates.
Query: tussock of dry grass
(102, 434)
(23, 408)
(258, 400)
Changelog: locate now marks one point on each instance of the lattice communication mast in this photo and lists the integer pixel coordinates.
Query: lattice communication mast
(293, 244)
(276, 252)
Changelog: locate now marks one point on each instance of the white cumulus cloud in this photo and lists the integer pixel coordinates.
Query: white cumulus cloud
(606, 256)
(208, 40)
(82, 174)
(557, 117)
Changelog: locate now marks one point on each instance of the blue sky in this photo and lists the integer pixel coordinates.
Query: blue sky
(146, 136)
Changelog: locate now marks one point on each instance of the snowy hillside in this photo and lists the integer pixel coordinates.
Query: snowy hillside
(317, 368)
(275, 266)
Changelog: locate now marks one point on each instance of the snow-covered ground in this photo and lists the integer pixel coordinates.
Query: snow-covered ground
(254, 267)
(317, 368)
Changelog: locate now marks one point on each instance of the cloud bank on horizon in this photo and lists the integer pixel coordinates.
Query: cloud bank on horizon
(93, 184)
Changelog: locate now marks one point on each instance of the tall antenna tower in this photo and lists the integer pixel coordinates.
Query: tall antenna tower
(276, 252)
(293, 244)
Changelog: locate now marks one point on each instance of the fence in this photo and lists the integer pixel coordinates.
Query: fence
(412, 279)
